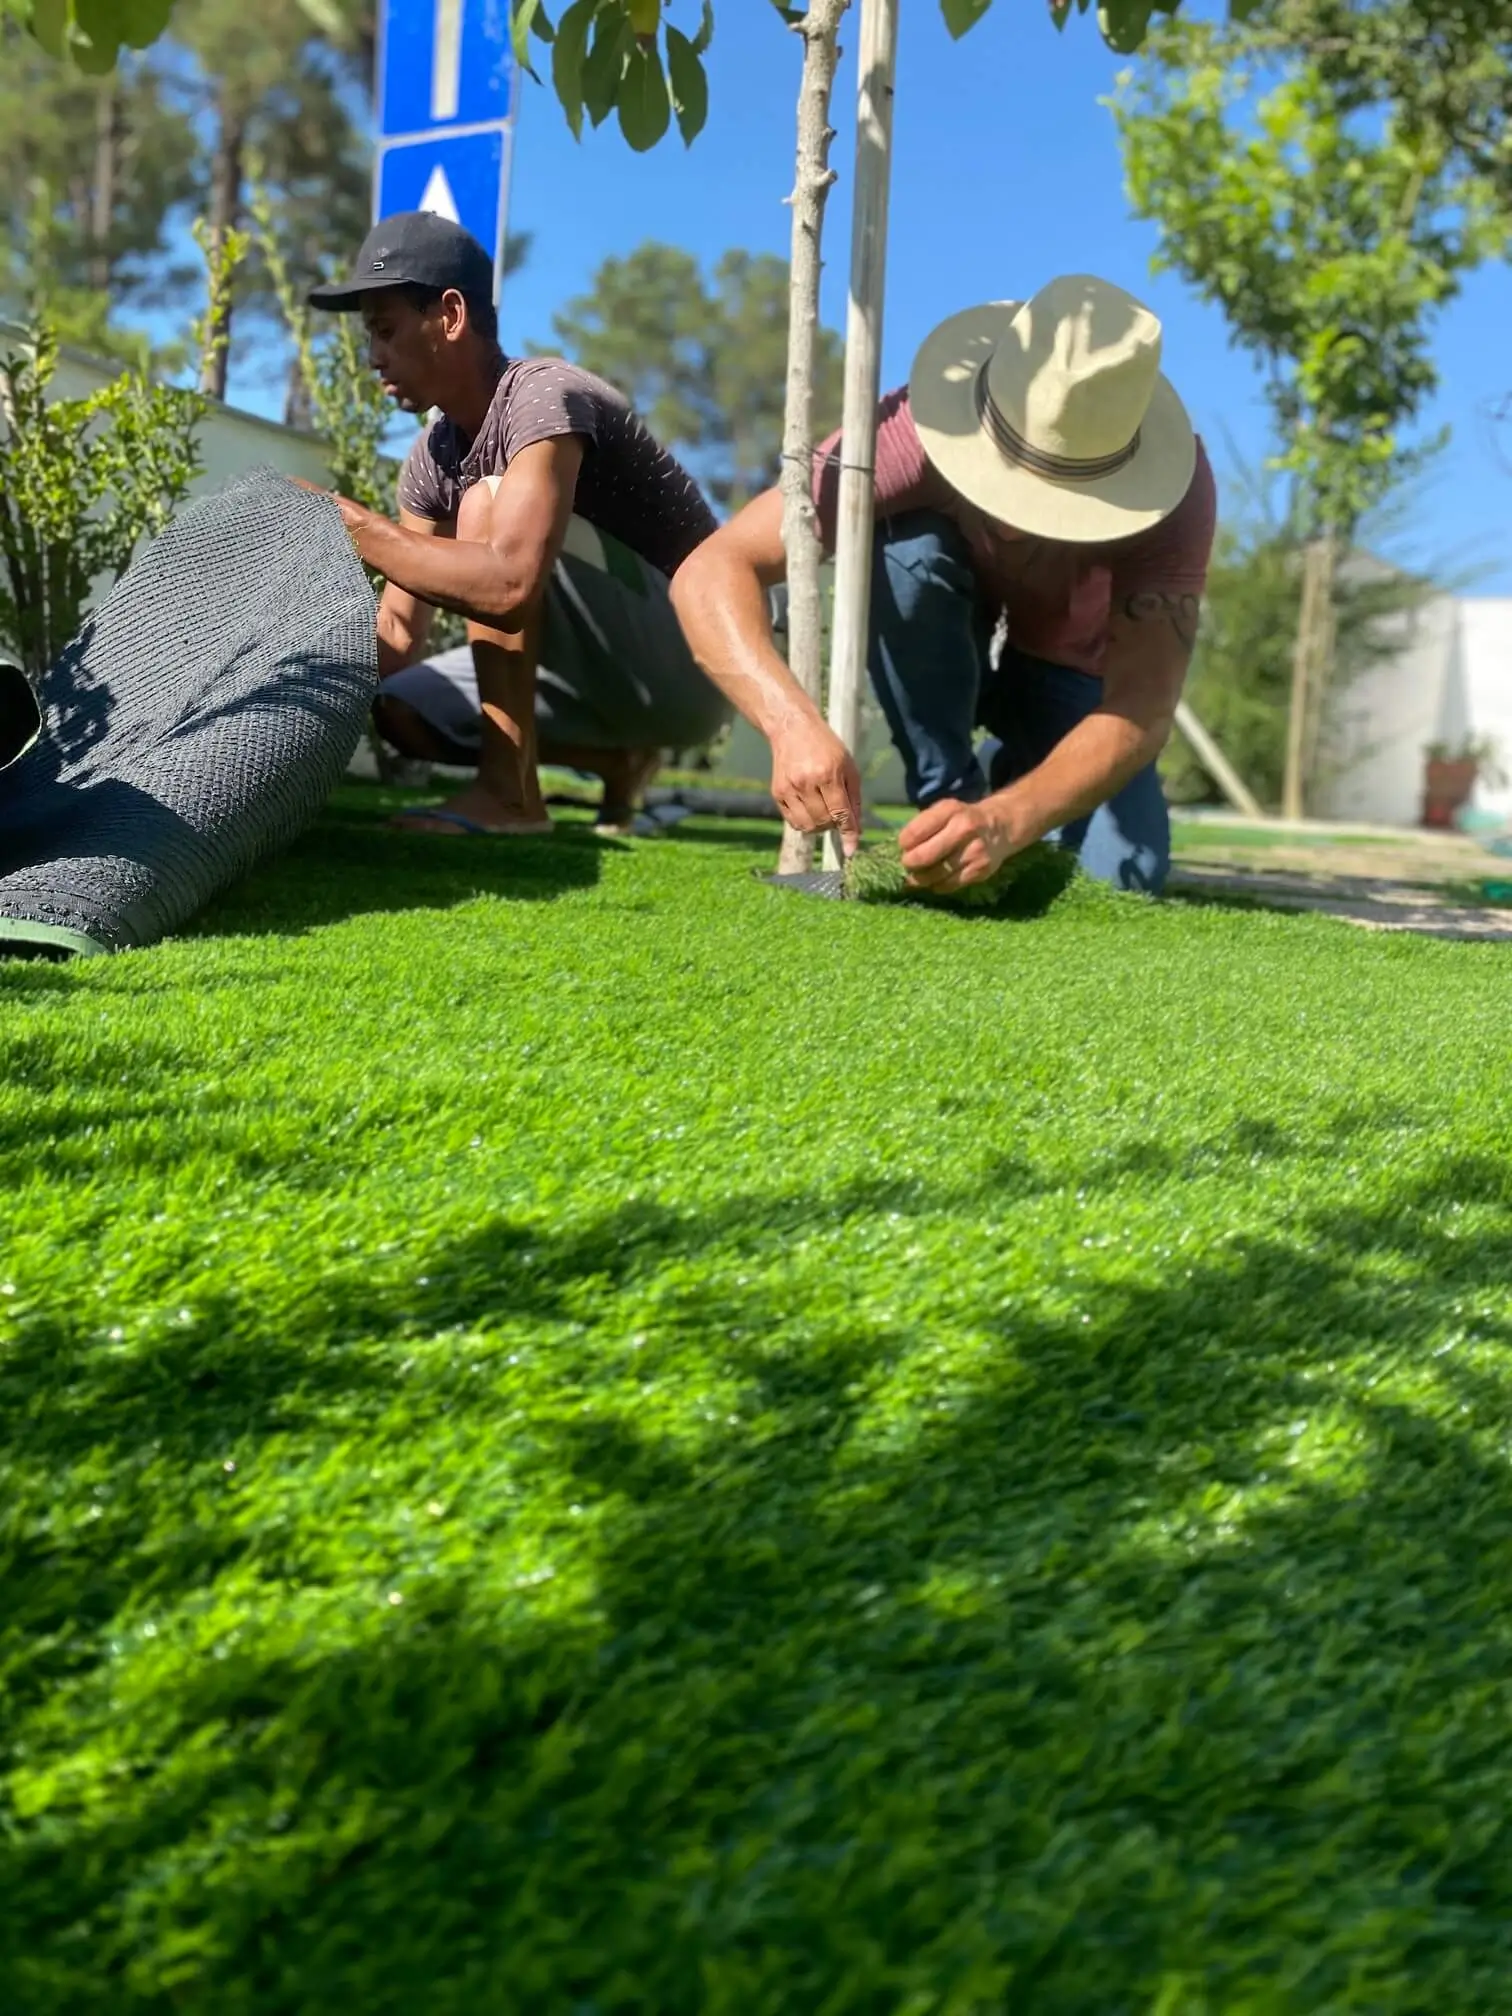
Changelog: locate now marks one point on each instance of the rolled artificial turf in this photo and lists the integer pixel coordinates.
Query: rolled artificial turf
(579, 1435)
(196, 723)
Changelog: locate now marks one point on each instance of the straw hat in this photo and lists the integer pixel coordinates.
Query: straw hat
(1051, 415)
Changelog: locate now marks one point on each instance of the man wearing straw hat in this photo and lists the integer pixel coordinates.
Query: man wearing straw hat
(1037, 472)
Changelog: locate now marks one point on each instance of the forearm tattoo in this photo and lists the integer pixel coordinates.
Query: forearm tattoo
(1182, 612)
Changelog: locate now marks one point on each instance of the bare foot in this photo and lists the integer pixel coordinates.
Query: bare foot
(478, 810)
(626, 774)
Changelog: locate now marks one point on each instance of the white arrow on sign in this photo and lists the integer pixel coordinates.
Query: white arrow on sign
(446, 63)
(438, 197)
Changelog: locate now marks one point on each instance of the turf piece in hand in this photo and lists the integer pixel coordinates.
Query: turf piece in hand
(1025, 886)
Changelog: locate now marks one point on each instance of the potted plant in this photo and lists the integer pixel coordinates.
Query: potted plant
(1451, 773)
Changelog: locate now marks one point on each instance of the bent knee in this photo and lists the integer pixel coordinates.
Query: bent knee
(473, 511)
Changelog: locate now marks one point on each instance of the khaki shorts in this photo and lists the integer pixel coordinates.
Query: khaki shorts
(615, 671)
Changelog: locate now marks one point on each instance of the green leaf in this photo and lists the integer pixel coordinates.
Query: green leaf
(690, 87)
(100, 27)
(540, 25)
(645, 109)
(137, 23)
(705, 33)
(792, 15)
(1124, 24)
(519, 30)
(567, 60)
(604, 70)
(95, 59)
(326, 16)
(50, 23)
(963, 14)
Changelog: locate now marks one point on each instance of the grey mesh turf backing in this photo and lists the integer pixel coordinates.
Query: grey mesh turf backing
(198, 721)
(828, 882)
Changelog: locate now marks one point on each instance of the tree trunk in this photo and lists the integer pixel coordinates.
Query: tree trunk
(819, 29)
(1306, 668)
(1320, 672)
(226, 168)
(102, 194)
(298, 411)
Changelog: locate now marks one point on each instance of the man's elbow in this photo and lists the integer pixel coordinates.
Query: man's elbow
(1145, 731)
(1158, 731)
(687, 584)
(720, 569)
(509, 595)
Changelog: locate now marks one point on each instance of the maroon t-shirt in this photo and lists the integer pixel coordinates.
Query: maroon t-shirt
(1056, 596)
(628, 486)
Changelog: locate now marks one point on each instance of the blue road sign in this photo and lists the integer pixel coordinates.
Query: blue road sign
(446, 103)
(459, 175)
(445, 63)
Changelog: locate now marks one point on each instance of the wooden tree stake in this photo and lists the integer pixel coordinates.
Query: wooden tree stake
(863, 365)
(1307, 667)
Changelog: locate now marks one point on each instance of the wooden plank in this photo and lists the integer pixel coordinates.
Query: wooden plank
(1216, 764)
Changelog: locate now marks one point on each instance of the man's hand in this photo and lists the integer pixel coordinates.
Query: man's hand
(953, 845)
(353, 516)
(816, 783)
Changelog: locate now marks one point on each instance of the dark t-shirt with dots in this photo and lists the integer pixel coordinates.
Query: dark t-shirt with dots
(628, 486)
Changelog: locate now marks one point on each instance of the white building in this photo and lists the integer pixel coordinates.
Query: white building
(1450, 681)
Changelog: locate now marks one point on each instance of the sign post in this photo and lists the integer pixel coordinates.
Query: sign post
(447, 101)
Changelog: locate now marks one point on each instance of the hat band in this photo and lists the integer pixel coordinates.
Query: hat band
(1038, 461)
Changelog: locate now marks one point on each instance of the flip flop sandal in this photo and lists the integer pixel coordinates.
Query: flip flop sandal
(621, 822)
(465, 825)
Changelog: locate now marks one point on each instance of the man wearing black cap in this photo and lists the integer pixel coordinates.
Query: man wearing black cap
(539, 508)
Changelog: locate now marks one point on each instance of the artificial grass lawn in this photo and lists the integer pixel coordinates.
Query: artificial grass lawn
(584, 1435)
(1208, 833)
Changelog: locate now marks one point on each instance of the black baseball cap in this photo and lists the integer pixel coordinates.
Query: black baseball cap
(414, 248)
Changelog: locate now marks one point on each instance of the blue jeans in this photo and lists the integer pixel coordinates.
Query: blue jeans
(929, 667)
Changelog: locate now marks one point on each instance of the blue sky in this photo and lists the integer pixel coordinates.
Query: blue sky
(1006, 172)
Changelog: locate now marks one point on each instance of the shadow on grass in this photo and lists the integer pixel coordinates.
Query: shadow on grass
(352, 865)
(1196, 898)
(750, 834)
(23, 979)
(1035, 1676)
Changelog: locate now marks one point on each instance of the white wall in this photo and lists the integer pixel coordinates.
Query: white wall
(1451, 681)
(1383, 720)
(1485, 653)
